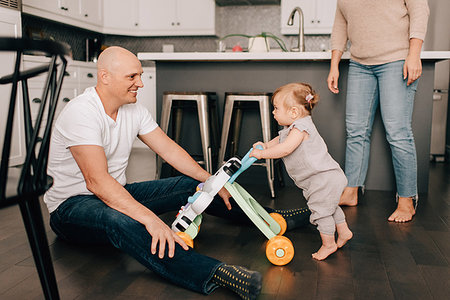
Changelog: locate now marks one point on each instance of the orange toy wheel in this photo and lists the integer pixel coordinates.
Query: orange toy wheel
(186, 238)
(281, 221)
(279, 250)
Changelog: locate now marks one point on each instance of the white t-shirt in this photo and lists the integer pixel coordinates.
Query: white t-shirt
(84, 122)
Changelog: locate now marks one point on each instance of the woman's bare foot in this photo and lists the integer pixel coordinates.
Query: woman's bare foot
(344, 234)
(404, 212)
(349, 196)
(328, 247)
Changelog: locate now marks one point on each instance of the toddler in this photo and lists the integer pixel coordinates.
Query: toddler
(308, 163)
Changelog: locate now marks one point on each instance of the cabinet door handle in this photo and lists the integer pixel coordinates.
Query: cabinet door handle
(178, 23)
(318, 21)
(66, 74)
(65, 99)
(64, 8)
(36, 100)
(136, 24)
(86, 15)
(90, 75)
(312, 21)
(173, 24)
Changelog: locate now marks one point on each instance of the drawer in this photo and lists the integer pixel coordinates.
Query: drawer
(71, 74)
(66, 94)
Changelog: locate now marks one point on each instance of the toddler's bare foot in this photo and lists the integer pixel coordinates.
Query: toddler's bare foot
(349, 196)
(328, 247)
(344, 234)
(324, 252)
(404, 212)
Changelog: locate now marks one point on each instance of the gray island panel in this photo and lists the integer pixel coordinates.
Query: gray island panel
(266, 76)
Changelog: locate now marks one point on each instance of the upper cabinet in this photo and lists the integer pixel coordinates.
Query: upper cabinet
(318, 16)
(92, 11)
(160, 18)
(121, 17)
(86, 14)
(132, 17)
(177, 17)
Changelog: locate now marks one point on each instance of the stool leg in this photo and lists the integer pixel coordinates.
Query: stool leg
(202, 108)
(177, 120)
(214, 120)
(34, 225)
(266, 130)
(165, 117)
(237, 121)
(228, 111)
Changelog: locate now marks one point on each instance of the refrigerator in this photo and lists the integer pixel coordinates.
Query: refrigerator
(440, 111)
(438, 39)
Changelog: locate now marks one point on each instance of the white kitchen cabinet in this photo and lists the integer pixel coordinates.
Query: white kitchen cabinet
(85, 14)
(120, 17)
(78, 77)
(10, 26)
(177, 17)
(91, 12)
(147, 96)
(43, 5)
(142, 162)
(318, 16)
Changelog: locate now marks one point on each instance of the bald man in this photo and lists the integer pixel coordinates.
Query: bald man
(91, 203)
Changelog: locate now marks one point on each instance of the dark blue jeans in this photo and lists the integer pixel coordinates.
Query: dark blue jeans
(88, 220)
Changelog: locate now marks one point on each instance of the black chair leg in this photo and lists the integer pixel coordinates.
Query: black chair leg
(34, 225)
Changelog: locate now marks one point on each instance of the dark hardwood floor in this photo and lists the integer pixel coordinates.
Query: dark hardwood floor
(383, 261)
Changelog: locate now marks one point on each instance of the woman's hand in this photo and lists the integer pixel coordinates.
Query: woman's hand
(412, 69)
(333, 76)
(332, 80)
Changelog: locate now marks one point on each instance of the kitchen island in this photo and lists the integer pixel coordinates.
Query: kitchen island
(264, 72)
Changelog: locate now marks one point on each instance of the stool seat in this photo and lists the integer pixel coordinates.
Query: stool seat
(235, 103)
(188, 93)
(174, 102)
(247, 94)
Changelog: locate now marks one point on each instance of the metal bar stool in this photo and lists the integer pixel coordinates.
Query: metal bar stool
(206, 104)
(25, 183)
(235, 103)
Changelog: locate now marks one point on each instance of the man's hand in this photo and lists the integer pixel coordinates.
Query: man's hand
(225, 195)
(162, 234)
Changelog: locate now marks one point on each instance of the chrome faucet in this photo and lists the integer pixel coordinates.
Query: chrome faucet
(301, 35)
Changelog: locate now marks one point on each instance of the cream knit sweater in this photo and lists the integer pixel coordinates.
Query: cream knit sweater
(378, 30)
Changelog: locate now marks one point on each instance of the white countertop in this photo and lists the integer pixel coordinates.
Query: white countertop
(268, 56)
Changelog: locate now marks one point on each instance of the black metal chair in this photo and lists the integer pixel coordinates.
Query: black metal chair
(24, 184)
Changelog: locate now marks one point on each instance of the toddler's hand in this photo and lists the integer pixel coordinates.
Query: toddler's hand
(256, 153)
(259, 143)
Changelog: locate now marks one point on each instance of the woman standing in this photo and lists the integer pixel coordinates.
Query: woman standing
(386, 38)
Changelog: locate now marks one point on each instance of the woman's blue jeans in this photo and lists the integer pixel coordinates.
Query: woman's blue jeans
(86, 219)
(368, 87)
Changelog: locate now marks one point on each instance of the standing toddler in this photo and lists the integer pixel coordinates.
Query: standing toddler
(308, 163)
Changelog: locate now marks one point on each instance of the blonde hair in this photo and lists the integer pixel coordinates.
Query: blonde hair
(298, 93)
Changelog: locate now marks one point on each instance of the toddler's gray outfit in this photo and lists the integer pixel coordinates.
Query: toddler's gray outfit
(319, 176)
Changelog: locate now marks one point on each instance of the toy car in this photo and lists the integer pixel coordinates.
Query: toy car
(279, 249)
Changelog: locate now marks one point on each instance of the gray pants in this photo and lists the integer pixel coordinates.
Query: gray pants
(323, 197)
